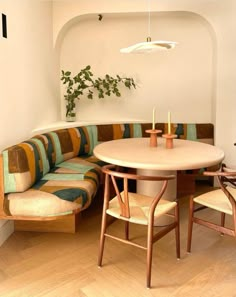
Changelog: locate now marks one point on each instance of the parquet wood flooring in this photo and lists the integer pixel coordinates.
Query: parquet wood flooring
(65, 265)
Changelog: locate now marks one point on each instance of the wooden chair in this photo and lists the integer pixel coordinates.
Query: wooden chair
(137, 209)
(222, 200)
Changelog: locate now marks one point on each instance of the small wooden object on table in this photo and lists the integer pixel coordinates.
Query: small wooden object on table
(153, 136)
(169, 140)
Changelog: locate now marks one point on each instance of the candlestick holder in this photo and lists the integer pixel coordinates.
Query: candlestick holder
(153, 136)
(169, 140)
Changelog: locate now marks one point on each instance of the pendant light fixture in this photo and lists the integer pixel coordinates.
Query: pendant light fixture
(149, 45)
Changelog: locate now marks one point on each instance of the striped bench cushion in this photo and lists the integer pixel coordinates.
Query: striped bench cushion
(70, 185)
(24, 165)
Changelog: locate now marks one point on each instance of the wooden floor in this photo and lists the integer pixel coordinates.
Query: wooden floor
(41, 264)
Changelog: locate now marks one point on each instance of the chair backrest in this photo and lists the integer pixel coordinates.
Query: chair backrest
(226, 178)
(113, 173)
(227, 181)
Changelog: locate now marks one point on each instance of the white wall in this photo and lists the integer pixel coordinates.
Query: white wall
(176, 80)
(226, 78)
(27, 77)
(28, 88)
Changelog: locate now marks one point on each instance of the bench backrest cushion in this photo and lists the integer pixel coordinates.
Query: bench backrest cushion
(102, 133)
(64, 144)
(118, 131)
(203, 132)
(24, 164)
(195, 132)
(67, 143)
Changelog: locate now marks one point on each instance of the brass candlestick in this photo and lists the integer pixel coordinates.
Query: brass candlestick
(169, 140)
(153, 136)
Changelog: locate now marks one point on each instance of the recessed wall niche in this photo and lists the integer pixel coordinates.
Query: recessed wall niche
(166, 80)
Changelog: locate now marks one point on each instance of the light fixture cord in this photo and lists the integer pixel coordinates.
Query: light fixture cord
(149, 18)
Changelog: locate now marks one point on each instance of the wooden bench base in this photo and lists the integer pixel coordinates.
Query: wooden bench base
(68, 224)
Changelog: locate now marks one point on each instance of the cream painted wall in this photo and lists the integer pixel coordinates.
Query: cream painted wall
(165, 79)
(226, 78)
(28, 88)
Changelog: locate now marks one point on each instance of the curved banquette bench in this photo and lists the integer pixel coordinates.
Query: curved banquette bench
(47, 180)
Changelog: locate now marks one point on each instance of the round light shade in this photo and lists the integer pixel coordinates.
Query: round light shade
(148, 47)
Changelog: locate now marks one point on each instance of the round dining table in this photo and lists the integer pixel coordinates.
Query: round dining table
(137, 153)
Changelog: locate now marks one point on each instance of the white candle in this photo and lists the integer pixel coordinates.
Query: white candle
(169, 122)
(153, 118)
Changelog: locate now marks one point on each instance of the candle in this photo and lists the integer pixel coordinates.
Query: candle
(153, 118)
(169, 122)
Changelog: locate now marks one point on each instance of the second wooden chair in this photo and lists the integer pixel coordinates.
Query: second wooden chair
(222, 200)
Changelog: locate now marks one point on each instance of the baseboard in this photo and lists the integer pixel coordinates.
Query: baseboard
(6, 229)
(68, 224)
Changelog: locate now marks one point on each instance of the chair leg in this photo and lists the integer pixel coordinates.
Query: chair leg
(190, 224)
(149, 253)
(102, 239)
(222, 221)
(177, 232)
(234, 221)
(126, 230)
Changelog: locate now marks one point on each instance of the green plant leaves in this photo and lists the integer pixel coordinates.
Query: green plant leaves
(83, 82)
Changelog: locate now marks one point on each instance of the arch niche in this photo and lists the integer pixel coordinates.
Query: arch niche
(182, 80)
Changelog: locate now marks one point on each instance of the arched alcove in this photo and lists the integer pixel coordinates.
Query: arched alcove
(181, 80)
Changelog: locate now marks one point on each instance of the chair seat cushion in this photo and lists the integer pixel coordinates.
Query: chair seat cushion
(217, 200)
(139, 208)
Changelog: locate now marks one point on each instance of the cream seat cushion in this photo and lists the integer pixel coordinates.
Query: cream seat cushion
(217, 200)
(38, 203)
(139, 208)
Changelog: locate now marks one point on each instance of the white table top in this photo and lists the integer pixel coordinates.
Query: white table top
(137, 153)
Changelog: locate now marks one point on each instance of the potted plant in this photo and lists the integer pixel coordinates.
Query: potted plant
(83, 83)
